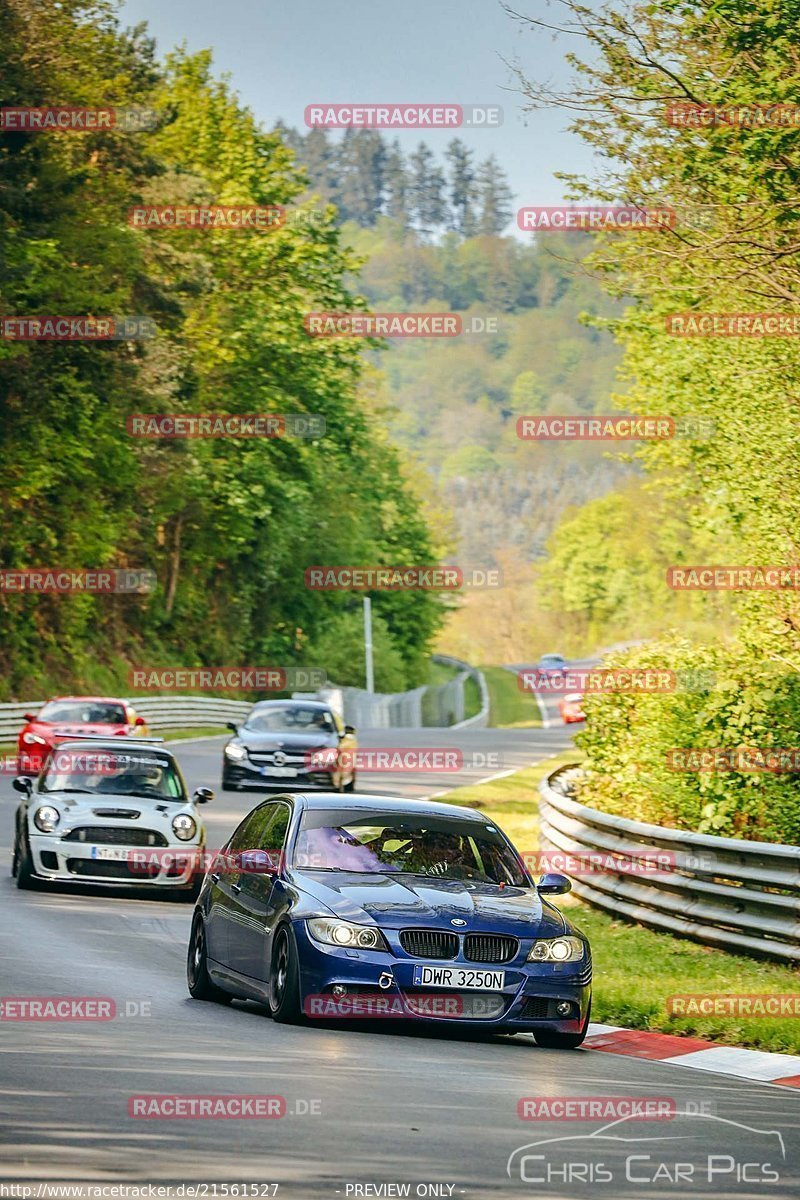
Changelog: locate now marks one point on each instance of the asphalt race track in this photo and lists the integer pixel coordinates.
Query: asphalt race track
(367, 1105)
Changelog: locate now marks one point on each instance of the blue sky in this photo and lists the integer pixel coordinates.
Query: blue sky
(283, 56)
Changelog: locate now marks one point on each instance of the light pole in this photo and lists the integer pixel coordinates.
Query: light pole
(368, 644)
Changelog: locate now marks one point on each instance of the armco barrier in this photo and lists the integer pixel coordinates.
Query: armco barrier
(440, 705)
(436, 705)
(741, 896)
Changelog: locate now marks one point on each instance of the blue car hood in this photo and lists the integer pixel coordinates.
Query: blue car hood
(401, 902)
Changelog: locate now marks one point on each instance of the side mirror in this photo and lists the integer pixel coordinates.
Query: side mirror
(23, 783)
(230, 725)
(140, 721)
(553, 884)
(349, 729)
(28, 717)
(260, 862)
(203, 795)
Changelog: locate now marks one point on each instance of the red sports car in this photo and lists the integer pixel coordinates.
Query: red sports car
(64, 716)
(571, 708)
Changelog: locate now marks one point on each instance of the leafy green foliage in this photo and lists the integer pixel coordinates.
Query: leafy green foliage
(227, 525)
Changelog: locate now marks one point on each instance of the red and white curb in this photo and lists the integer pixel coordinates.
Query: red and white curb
(761, 1065)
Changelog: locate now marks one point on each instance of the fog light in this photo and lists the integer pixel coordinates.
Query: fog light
(339, 989)
(564, 1008)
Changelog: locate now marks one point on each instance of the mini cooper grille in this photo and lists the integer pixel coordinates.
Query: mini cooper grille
(98, 869)
(490, 948)
(110, 835)
(429, 943)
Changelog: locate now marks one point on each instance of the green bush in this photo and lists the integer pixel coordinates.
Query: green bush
(726, 698)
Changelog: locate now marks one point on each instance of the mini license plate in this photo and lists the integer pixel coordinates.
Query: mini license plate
(114, 853)
(459, 978)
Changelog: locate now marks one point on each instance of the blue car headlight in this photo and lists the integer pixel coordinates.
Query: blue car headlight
(561, 949)
(345, 934)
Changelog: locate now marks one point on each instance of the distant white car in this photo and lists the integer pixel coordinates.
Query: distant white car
(110, 812)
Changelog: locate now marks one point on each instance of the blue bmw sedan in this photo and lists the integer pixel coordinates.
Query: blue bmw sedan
(328, 906)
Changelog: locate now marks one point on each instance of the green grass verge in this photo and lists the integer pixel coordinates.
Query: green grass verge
(509, 708)
(636, 970)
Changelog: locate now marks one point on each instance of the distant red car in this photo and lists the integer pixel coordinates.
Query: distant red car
(64, 716)
(571, 708)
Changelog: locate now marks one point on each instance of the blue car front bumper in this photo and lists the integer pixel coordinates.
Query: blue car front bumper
(528, 1000)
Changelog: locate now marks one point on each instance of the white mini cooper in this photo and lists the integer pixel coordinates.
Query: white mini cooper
(104, 811)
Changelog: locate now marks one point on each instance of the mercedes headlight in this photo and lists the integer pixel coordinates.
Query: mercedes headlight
(184, 827)
(562, 949)
(234, 753)
(343, 933)
(46, 818)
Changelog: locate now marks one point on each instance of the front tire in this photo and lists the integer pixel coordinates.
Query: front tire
(284, 979)
(22, 866)
(351, 786)
(197, 977)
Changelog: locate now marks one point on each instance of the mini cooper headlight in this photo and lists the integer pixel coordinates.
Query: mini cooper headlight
(343, 933)
(184, 826)
(234, 753)
(563, 949)
(46, 818)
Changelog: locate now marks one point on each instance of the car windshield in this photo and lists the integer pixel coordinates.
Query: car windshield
(551, 660)
(290, 718)
(371, 843)
(83, 712)
(113, 773)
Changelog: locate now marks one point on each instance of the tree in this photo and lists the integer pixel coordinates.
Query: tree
(493, 198)
(427, 204)
(463, 193)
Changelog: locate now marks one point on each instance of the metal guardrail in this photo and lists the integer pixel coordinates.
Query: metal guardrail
(738, 895)
(433, 706)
